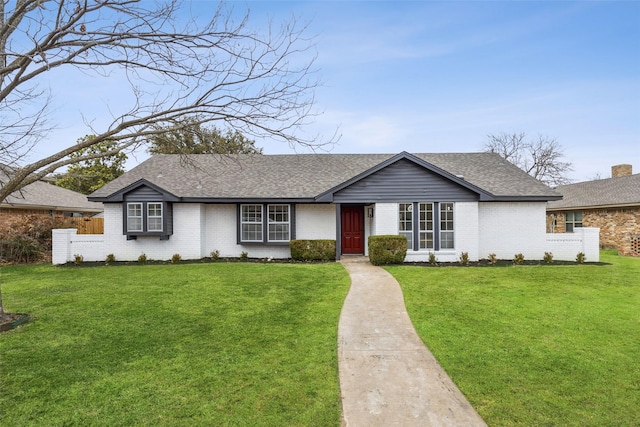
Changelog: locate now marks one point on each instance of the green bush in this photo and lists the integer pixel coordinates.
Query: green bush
(313, 250)
(580, 258)
(387, 249)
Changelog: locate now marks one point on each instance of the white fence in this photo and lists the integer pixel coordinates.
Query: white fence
(565, 246)
(67, 243)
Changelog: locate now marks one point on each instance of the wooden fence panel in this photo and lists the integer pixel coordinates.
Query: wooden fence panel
(90, 225)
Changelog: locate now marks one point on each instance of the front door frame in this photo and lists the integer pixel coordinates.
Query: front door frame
(339, 249)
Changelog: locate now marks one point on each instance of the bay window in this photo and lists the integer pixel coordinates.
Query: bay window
(147, 218)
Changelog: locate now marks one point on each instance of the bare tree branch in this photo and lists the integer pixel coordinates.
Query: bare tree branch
(259, 84)
(540, 158)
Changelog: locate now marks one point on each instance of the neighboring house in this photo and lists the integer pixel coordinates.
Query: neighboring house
(42, 198)
(442, 203)
(612, 204)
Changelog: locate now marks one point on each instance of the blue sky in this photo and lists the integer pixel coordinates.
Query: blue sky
(429, 76)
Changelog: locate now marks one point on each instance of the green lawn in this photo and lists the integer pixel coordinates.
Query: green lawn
(186, 344)
(535, 345)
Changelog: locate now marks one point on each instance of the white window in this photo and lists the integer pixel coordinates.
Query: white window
(134, 216)
(446, 225)
(405, 224)
(154, 217)
(279, 223)
(426, 225)
(572, 220)
(251, 223)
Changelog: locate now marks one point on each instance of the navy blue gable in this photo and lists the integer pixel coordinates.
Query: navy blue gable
(144, 193)
(401, 181)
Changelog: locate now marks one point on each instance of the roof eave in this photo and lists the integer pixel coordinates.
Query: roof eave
(587, 207)
(50, 207)
(525, 198)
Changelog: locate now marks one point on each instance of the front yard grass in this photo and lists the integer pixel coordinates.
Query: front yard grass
(535, 345)
(192, 344)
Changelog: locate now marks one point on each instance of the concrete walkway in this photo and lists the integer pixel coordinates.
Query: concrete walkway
(387, 376)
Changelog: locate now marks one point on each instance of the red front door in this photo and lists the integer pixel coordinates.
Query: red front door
(353, 230)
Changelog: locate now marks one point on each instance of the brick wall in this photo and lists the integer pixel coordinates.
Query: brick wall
(508, 228)
(619, 228)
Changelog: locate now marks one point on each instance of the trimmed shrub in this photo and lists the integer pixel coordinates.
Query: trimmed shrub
(432, 259)
(581, 257)
(176, 258)
(464, 258)
(391, 249)
(142, 258)
(518, 259)
(313, 250)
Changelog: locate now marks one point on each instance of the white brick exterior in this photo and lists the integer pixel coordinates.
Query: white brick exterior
(186, 239)
(385, 219)
(316, 221)
(503, 228)
(509, 228)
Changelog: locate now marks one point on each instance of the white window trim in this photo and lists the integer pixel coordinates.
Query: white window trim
(453, 223)
(129, 217)
(573, 221)
(149, 216)
(408, 234)
(243, 222)
(436, 232)
(270, 223)
(426, 231)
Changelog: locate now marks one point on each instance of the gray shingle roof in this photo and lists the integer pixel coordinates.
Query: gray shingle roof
(48, 196)
(624, 190)
(296, 176)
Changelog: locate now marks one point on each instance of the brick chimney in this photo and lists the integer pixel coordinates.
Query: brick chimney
(621, 170)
